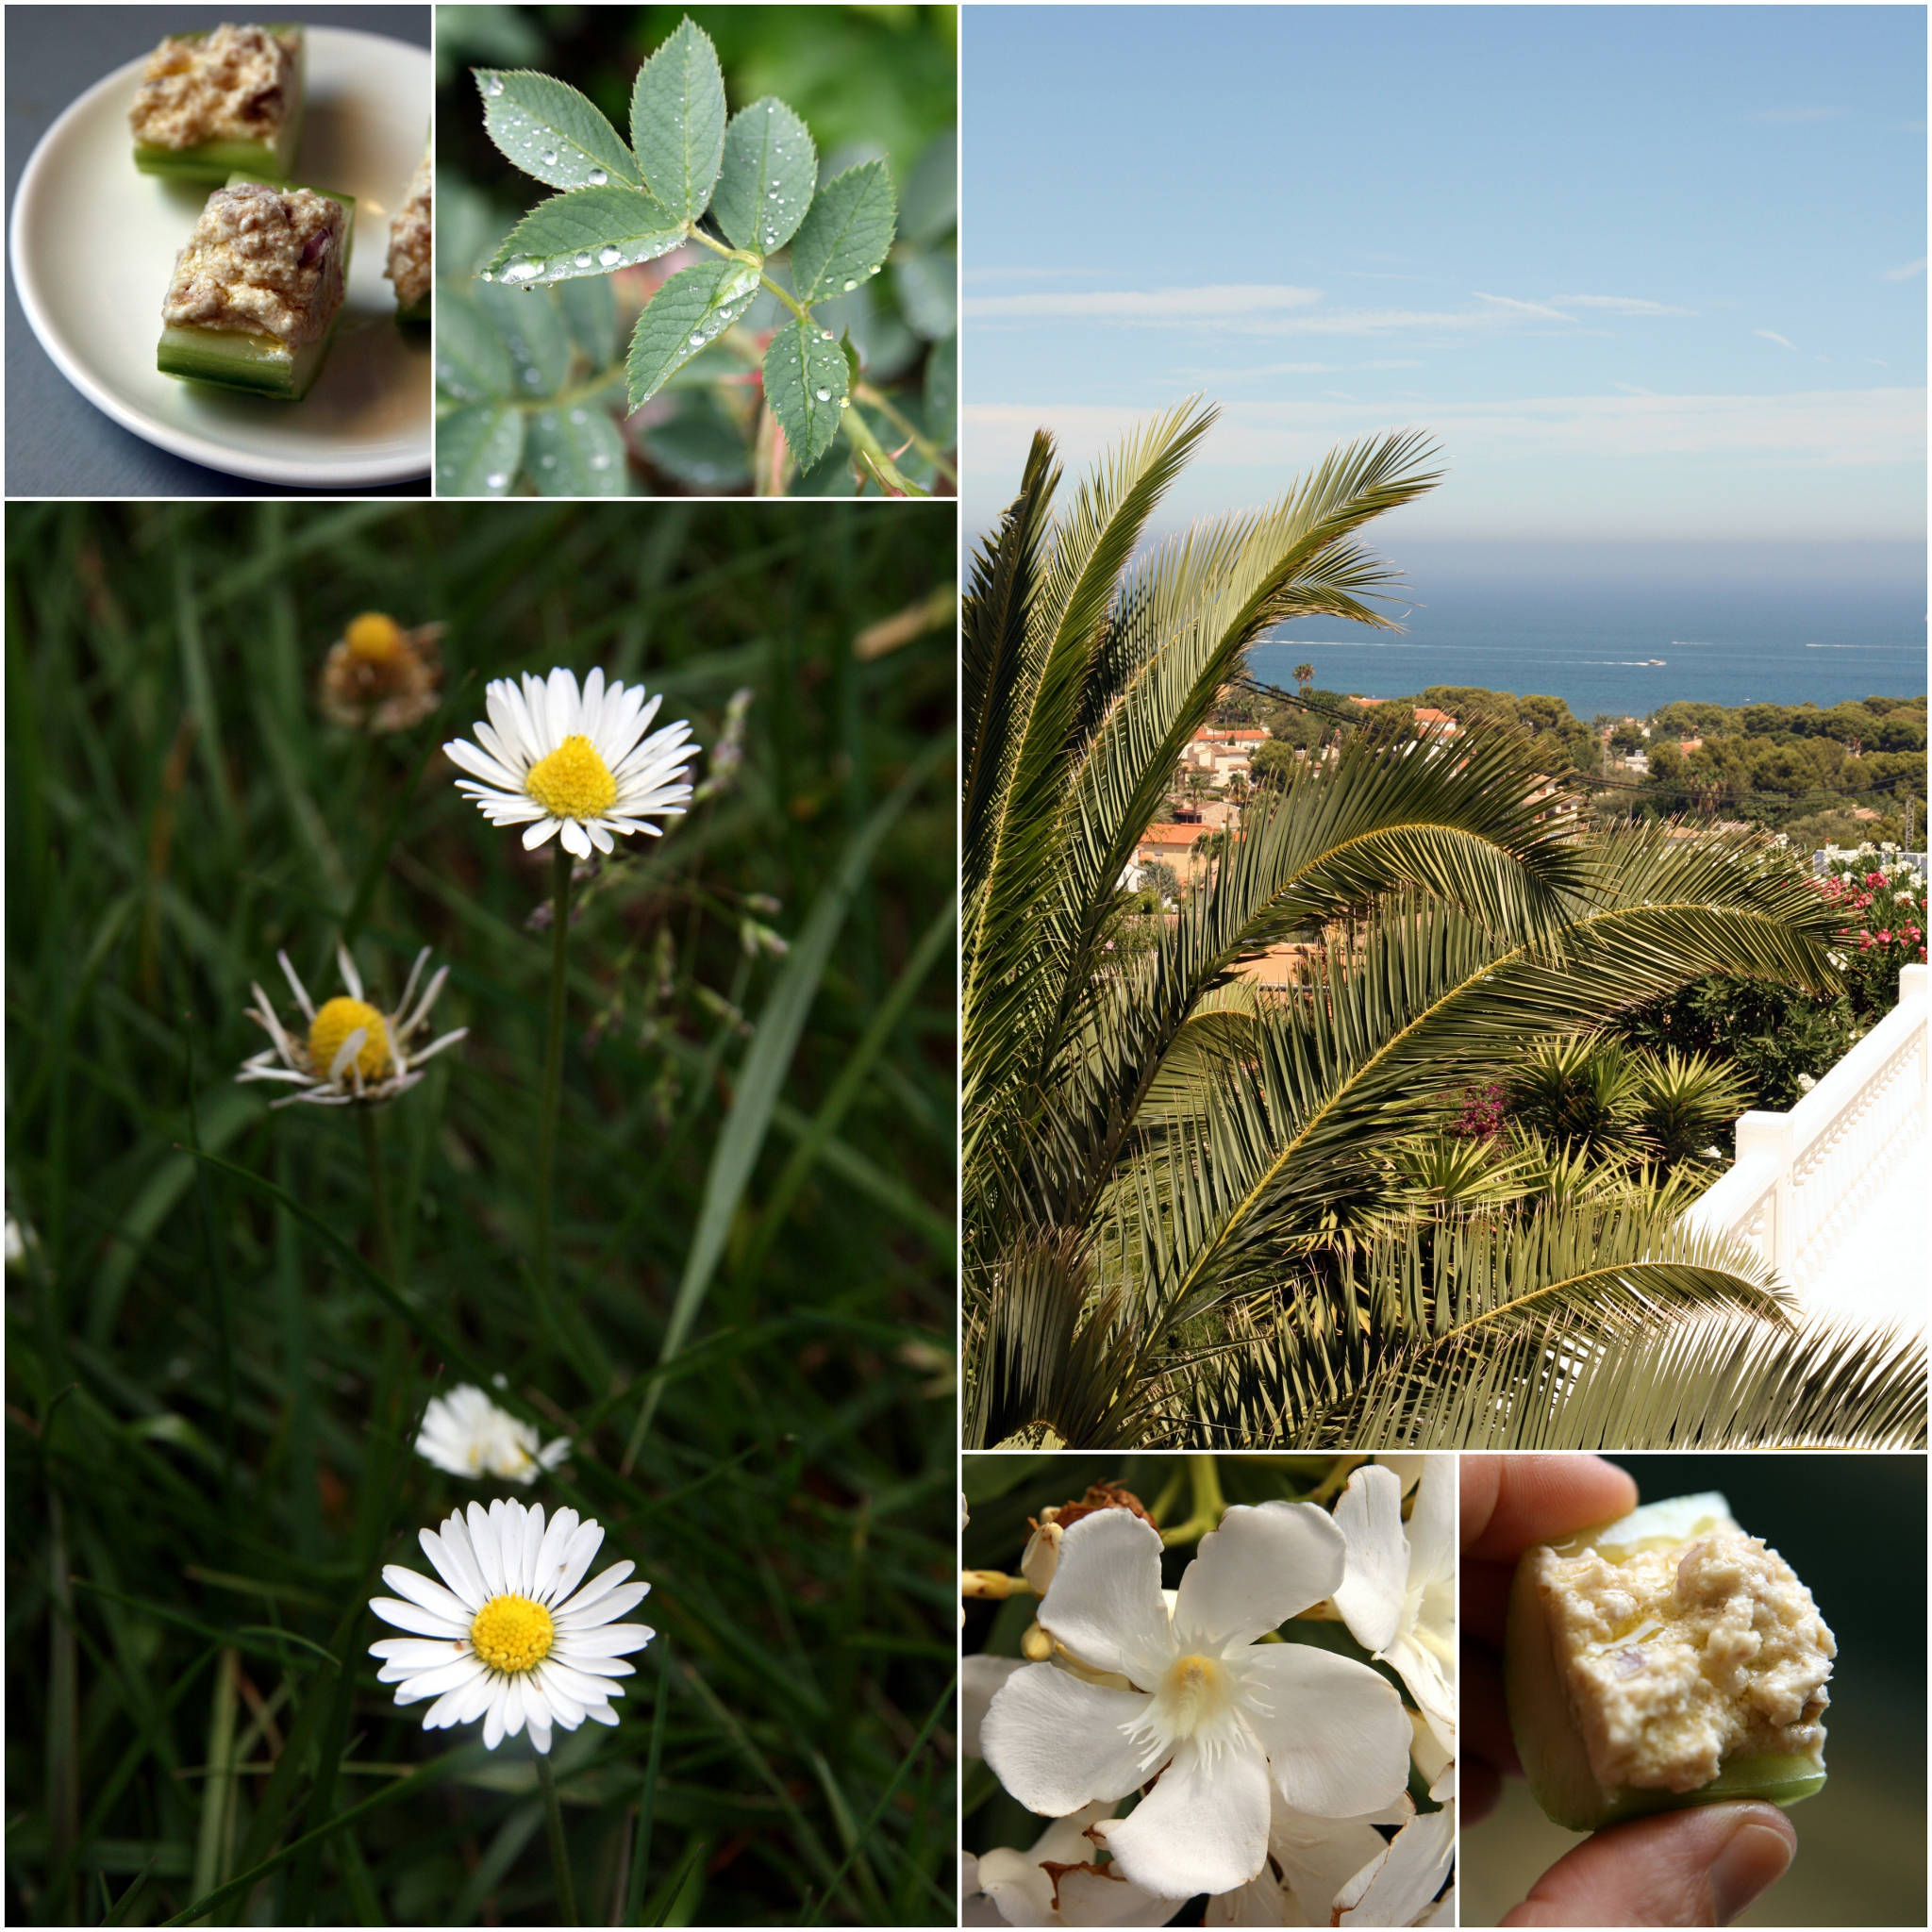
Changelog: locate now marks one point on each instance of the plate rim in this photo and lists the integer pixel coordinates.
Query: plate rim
(186, 443)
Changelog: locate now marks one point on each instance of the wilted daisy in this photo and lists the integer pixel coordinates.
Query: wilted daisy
(380, 678)
(508, 1640)
(350, 1051)
(577, 764)
(465, 1433)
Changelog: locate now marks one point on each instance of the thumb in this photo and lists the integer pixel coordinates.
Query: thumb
(1700, 1866)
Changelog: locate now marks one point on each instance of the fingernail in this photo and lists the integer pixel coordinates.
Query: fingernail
(1754, 1857)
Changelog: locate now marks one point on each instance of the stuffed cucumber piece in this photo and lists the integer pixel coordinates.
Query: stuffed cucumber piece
(411, 246)
(258, 295)
(213, 103)
(1662, 1660)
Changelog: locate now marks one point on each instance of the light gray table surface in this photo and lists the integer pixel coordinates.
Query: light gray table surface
(57, 444)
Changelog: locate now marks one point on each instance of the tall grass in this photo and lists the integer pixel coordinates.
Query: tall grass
(214, 1368)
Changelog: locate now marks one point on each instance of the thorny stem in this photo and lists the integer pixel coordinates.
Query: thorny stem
(552, 1087)
(872, 458)
(902, 423)
(560, 1855)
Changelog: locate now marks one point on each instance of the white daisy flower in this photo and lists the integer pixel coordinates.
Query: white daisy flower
(465, 1433)
(351, 1051)
(507, 1641)
(575, 765)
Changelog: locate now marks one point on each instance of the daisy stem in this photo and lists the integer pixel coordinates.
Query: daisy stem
(378, 1190)
(552, 1087)
(559, 1855)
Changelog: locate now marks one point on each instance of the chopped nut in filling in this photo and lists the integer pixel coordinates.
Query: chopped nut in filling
(262, 261)
(409, 243)
(232, 84)
(1677, 1659)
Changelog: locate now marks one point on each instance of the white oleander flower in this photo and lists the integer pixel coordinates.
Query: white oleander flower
(1310, 1860)
(575, 764)
(1398, 1598)
(352, 1051)
(1219, 1717)
(465, 1433)
(1400, 1888)
(1060, 1881)
(511, 1640)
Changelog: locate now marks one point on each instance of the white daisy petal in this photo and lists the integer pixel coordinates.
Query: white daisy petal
(430, 1596)
(414, 1653)
(610, 1639)
(539, 832)
(492, 1715)
(592, 1594)
(539, 1730)
(550, 1557)
(577, 1558)
(460, 1567)
(574, 839)
(483, 1540)
(589, 1691)
(413, 1617)
(480, 764)
(449, 1676)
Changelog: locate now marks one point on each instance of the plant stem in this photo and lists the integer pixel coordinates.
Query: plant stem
(872, 455)
(900, 421)
(550, 1103)
(560, 1853)
(1209, 1505)
(790, 301)
(378, 1194)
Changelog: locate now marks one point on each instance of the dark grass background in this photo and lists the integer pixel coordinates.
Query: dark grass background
(202, 1475)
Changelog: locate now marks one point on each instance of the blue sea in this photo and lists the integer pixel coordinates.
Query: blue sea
(1621, 648)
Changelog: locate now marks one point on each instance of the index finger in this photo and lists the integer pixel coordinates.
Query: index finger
(1510, 1502)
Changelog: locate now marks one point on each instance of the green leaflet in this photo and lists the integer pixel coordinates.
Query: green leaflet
(477, 449)
(550, 130)
(694, 307)
(472, 363)
(575, 452)
(590, 313)
(807, 387)
(590, 231)
(942, 387)
(677, 121)
(844, 237)
(927, 286)
(931, 209)
(769, 173)
(534, 333)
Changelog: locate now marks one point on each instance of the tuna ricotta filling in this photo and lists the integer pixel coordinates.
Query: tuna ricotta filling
(230, 85)
(1677, 1659)
(410, 240)
(264, 262)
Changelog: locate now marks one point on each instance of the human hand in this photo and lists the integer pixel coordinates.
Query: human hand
(1698, 1867)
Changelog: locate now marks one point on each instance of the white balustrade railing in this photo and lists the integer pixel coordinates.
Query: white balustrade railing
(1803, 1179)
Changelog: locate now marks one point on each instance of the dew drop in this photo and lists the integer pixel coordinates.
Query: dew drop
(522, 269)
(609, 257)
(548, 156)
(600, 462)
(844, 402)
(488, 274)
(697, 339)
(850, 285)
(497, 481)
(598, 177)
(546, 461)
(494, 88)
(578, 416)
(824, 395)
(584, 258)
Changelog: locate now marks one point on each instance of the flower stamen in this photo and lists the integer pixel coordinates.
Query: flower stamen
(574, 782)
(511, 1633)
(338, 1019)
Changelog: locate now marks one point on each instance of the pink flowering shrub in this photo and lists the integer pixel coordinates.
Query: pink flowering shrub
(1881, 901)
(1481, 1117)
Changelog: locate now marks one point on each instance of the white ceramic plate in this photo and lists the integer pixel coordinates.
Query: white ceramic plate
(94, 242)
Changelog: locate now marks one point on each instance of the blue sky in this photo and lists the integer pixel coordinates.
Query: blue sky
(1651, 274)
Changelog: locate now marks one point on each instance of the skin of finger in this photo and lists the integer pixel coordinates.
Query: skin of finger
(1510, 1502)
(1700, 1866)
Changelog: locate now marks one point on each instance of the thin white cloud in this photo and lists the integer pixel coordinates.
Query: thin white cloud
(1904, 274)
(1535, 309)
(1620, 305)
(1631, 389)
(1771, 335)
(1028, 275)
(1797, 117)
(1216, 302)
(1200, 372)
(1817, 430)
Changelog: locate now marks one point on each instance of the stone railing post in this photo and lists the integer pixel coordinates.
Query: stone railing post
(1770, 1136)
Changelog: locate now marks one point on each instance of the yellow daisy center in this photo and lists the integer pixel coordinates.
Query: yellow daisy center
(333, 1025)
(374, 637)
(574, 782)
(512, 1634)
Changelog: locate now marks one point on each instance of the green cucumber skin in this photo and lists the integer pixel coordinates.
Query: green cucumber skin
(417, 315)
(214, 160)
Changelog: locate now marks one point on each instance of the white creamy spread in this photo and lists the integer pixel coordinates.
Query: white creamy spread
(262, 261)
(1679, 1658)
(232, 84)
(410, 240)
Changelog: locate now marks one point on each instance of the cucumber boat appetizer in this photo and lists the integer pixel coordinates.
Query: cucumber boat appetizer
(258, 293)
(1662, 1660)
(409, 246)
(211, 104)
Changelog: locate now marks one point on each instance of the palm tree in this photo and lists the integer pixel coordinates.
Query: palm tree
(1193, 1215)
(1304, 677)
